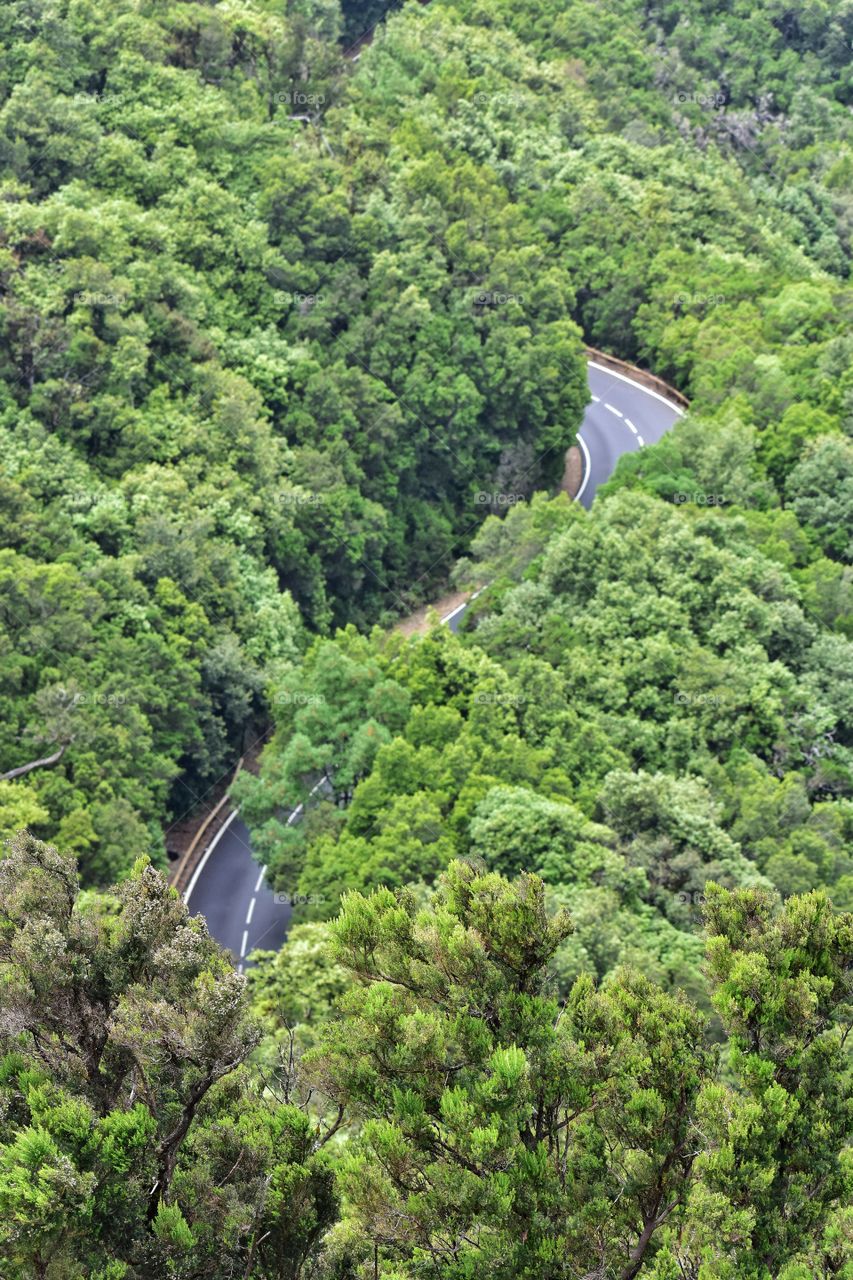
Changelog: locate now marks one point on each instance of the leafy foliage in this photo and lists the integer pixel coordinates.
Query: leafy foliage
(426, 1097)
(279, 325)
(292, 296)
(503, 1131)
(134, 1143)
(649, 707)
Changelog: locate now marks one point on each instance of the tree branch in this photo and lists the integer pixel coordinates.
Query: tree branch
(34, 764)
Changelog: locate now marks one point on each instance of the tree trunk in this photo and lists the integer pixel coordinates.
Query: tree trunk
(167, 1154)
(34, 764)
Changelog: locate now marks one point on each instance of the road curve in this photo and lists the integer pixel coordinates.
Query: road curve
(229, 890)
(622, 417)
(228, 886)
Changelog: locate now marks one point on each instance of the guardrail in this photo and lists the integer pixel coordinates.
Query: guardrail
(189, 860)
(642, 376)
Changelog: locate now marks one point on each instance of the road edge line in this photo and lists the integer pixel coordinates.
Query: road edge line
(208, 851)
(632, 382)
(464, 605)
(587, 466)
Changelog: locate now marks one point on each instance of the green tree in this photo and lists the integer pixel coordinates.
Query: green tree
(500, 1133)
(773, 1172)
(821, 491)
(133, 1141)
(782, 443)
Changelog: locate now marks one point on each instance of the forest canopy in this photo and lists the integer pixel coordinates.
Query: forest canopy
(280, 305)
(454, 1116)
(294, 302)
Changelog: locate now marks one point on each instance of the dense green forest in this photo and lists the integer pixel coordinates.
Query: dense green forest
(273, 320)
(291, 293)
(456, 1117)
(643, 704)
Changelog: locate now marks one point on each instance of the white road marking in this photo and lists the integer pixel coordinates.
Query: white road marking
(638, 386)
(260, 879)
(244, 943)
(587, 466)
(300, 808)
(208, 851)
(596, 399)
(618, 412)
(640, 441)
(629, 423)
(459, 608)
(251, 911)
(454, 612)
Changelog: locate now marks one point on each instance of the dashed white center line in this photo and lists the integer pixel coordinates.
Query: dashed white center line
(629, 423)
(640, 441)
(260, 880)
(251, 911)
(618, 412)
(244, 943)
(596, 399)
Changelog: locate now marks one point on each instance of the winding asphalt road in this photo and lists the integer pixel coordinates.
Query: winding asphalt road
(622, 417)
(228, 886)
(229, 890)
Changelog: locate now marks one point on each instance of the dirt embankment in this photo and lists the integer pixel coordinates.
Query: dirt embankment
(417, 623)
(572, 472)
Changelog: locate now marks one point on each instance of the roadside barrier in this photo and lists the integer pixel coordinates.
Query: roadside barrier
(646, 379)
(189, 860)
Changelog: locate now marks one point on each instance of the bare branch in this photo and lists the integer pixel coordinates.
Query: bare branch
(34, 764)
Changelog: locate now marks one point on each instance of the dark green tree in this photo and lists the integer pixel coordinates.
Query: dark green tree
(133, 1140)
(500, 1133)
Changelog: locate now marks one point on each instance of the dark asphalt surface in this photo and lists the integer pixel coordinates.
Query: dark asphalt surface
(622, 417)
(228, 887)
(230, 892)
